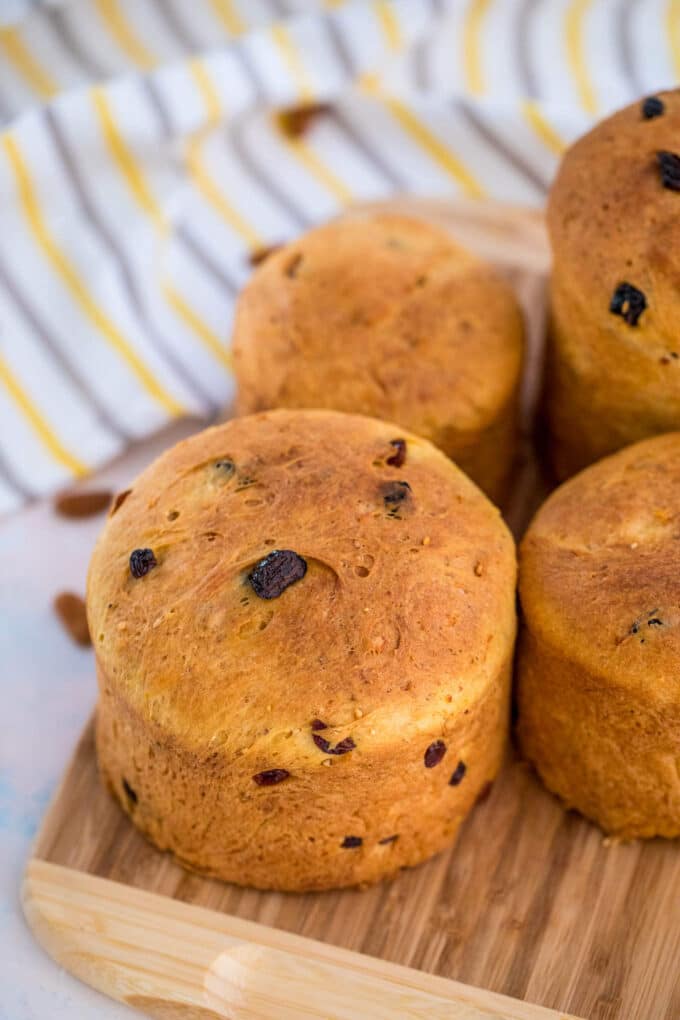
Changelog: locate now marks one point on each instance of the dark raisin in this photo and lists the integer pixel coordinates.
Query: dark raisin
(434, 754)
(652, 107)
(628, 302)
(395, 492)
(173, 515)
(457, 774)
(340, 748)
(669, 164)
(142, 561)
(388, 839)
(655, 622)
(317, 724)
(351, 841)
(130, 793)
(270, 777)
(225, 467)
(399, 455)
(276, 572)
(119, 500)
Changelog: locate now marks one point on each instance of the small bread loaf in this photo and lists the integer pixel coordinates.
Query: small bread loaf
(385, 315)
(614, 218)
(304, 625)
(599, 664)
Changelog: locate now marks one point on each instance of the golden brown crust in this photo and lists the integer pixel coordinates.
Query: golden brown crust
(399, 634)
(385, 315)
(598, 687)
(611, 221)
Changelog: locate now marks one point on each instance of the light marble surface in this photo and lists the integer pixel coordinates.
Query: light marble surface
(48, 691)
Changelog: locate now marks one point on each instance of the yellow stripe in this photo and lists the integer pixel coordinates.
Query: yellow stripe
(122, 32)
(69, 275)
(435, 148)
(573, 28)
(209, 94)
(189, 316)
(389, 25)
(309, 159)
(212, 194)
(140, 189)
(673, 29)
(230, 18)
(532, 113)
(297, 70)
(472, 60)
(14, 48)
(38, 423)
(125, 161)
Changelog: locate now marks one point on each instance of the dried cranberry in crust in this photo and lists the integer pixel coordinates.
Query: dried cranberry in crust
(628, 302)
(652, 107)
(325, 745)
(669, 165)
(270, 777)
(130, 793)
(399, 455)
(349, 842)
(276, 572)
(434, 754)
(458, 773)
(142, 561)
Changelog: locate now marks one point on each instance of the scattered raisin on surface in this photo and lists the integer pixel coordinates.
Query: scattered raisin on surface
(82, 503)
(434, 754)
(652, 107)
(270, 777)
(351, 841)
(142, 561)
(260, 255)
(655, 622)
(628, 302)
(70, 609)
(119, 500)
(340, 748)
(225, 467)
(388, 839)
(317, 724)
(458, 773)
(276, 572)
(295, 121)
(129, 791)
(399, 455)
(669, 165)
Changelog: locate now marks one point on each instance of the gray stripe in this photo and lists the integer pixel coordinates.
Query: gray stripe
(339, 45)
(167, 12)
(117, 254)
(76, 374)
(370, 154)
(205, 259)
(624, 40)
(62, 27)
(266, 180)
(523, 168)
(239, 51)
(527, 71)
(420, 64)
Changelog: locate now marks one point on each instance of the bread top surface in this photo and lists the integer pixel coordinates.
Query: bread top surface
(599, 568)
(612, 221)
(404, 616)
(381, 314)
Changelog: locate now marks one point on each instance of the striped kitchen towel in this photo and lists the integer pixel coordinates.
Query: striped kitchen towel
(150, 148)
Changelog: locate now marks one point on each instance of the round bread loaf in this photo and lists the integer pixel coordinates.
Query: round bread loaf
(614, 220)
(599, 663)
(384, 315)
(304, 625)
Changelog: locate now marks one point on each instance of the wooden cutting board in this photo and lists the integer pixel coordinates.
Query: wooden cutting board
(532, 906)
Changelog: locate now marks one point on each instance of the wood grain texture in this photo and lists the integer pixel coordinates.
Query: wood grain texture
(531, 902)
